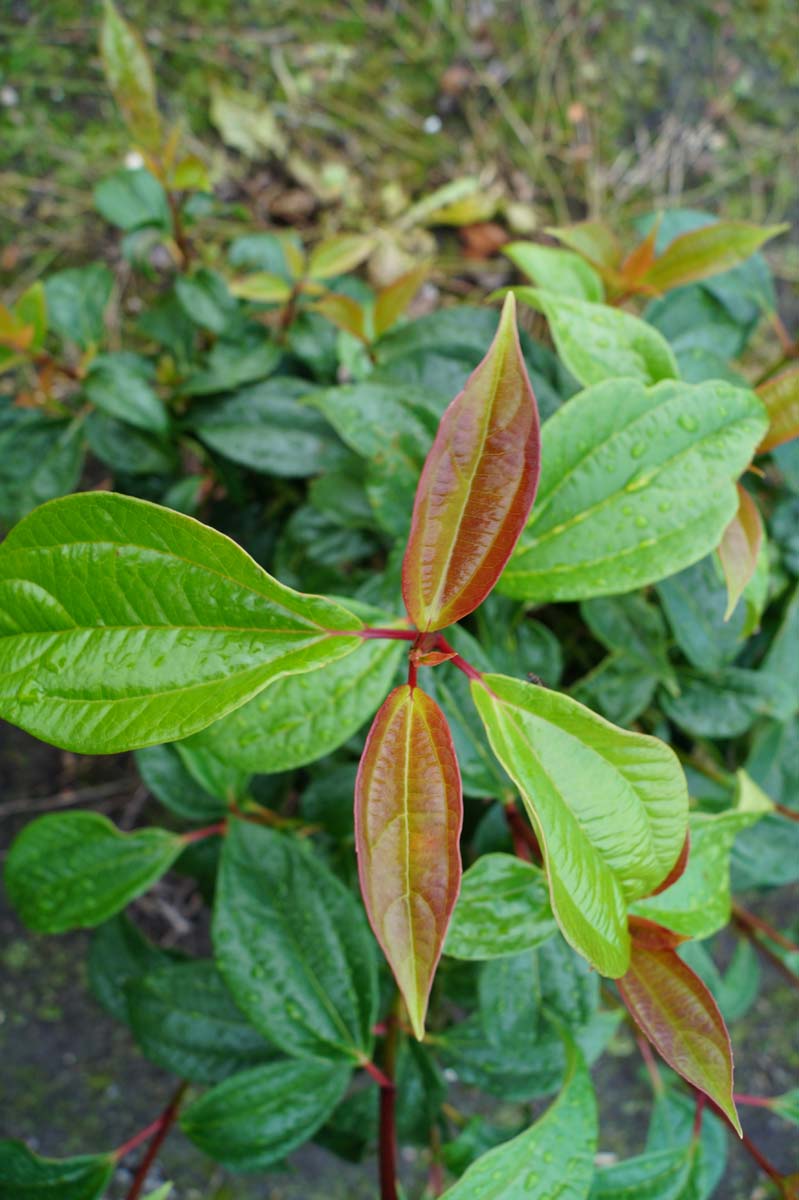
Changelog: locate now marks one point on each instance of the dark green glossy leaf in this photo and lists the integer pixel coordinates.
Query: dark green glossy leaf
(257, 1117)
(293, 946)
(26, 1176)
(728, 703)
(76, 869)
(76, 302)
(205, 300)
(662, 1175)
(620, 688)
(40, 458)
(165, 775)
(268, 428)
(631, 626)
(118, 384)
(119, 954)
(184, 1019)
(671, 1126)
(695, 601)
(127, 450)
(503, 908)
(234, 361)
(554, 1157)
(130, 199)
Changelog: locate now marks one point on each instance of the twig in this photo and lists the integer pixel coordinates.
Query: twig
(388, 1097)
(67, 797)
(158, 1131)
(744, 917)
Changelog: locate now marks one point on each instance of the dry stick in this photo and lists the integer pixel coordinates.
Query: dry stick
(159, 1129)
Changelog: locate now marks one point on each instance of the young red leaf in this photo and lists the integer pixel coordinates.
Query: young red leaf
(781, 398)
(740, 547)
(651, 936)
(678, 870)
(476, 489)
(640, 259)
(393, 299)
(408, 817)
(679, 1016)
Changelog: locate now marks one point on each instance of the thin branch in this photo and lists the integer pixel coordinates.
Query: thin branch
(158, 1130)
(744, 917)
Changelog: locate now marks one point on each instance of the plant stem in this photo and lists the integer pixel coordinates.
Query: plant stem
(784, 811)
(197, 835)
(158, 1131)
(764, 1164)
(525, 843)
(402, 635)
(753, 1101)
(650, 1062)
(456, 660)
(744, 917)
(388, 1096)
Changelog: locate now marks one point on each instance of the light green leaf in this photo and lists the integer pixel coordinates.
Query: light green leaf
(301, 718)
(636, 483)
(123, 624)
(338, 255)
(293, 946)
(503, 908)
(129, 74)
(698, 904)
(597, 342)
(131, 199)
(559, 271)
(787, 1106)
(76, 869)
(27, 1176)
(554, 1157)
(161, 1193)
(184, 1019)
(257, 1117)
(610, 808)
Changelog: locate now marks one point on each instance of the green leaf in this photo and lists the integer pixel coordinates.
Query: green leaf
(597, 342)
(257, 1117)
(118, 385)
(130, 77)
(40, 458)
(779, 659)
(710, 250)
(233, 361)
(558, 271)
(735, 990)
(695, 601)
(131, 199)
(503, 908)
(26, 1176)
(127, 450)
(267, 427)
(161, 1193)
(165, 775)
(184, 1019)
(338, 255)
(620, 688)
(99, 655)
(263, 287)
(727, 703)
(631, 626)
(697, 324)
(76, 303)
(661, 1175)
(76, 869)
(699, 903)
(119, 953)
(610, 808)
(671, 1125)
(636, 484)
(301, 718)
(205, 300)
(554, 1157)
(787, 1106)
(293, 946)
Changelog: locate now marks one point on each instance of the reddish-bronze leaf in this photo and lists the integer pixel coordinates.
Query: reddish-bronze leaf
(677, 1013)
(640, 259)
(394, 298)
(408, 817)
(740, 547)
(679, 867)
(476, 489)
(781, 398)
(652, 936)
(708, 251)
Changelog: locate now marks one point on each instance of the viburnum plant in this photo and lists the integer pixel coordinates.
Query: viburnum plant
(126, 626)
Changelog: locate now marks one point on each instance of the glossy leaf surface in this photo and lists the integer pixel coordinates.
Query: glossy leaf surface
(118, 954)
(698, 903)
(166, 777)
(708, 251)
(597, 342)
(408, 817)
(27, 1176)
(662, 1175)
(184, 1019)
(476, 488)
(781, 398)
(302, 717)
(130, 77)
(739, 548)
(560, 271)
(292, 944)
(554, 1157)
(76, 869)
(609, 807)
(256, 1117)
(503, 909)
(636, 484)
(98, 654)
(679, 1016)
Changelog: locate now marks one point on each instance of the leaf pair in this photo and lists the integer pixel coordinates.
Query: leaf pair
(472, 502)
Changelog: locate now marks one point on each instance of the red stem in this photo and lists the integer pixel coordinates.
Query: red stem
(525, 843)
(744, 917)
(753, 1101)
(764, 1164)
(402, 635)
(388, 1123)
(784, 811)
(456, 660)
(197, 835)
(160, 1129)
(650, 1062)
(379, 1077)
(700, 1108)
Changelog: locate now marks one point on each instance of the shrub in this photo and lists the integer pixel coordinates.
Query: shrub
(536, 748)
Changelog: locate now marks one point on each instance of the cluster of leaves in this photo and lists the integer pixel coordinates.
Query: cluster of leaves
(666, 600)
